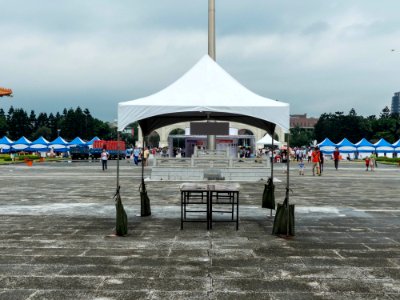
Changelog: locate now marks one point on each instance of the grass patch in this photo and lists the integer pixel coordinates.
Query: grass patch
(6, 158)
(389, 160)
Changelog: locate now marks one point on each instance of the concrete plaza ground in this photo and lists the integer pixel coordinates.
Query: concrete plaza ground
(57, 220)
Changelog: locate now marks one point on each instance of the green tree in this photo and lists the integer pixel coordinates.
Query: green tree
(19, 124)
(88, 128)
(301, 137)
(385, 113)
(42, 120)
(3, 123)
(32, 121)
(44, 132)
(338, 126)
(327, 127)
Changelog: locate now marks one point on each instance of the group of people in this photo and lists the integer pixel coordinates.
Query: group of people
(136, 156)
(244, 152)
(140, 155)
(370, 162)
(316, 157)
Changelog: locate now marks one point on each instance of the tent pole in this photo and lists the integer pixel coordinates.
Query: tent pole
(145, 209)
(118, 139)
(287, 184)
(272, 162)
(143, 159)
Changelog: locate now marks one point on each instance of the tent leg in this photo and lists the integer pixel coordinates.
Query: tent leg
(121, 226)
(145, 209)
(287, 185)
(118, 139)
(272, 163)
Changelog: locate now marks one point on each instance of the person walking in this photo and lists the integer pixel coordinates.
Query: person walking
(367, 163)
(301, 167)
(321, 162)
(309, 155)
(372, 161)
(336, 156)
(104, 157)
(146, 154)
(315, 157)
(136, 153)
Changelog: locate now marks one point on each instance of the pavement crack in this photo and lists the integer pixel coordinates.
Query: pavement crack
(172, 245)
(84, 252)
(369, 248)
(211, 290)
(101, 284)
(32, 295)
(338, 254)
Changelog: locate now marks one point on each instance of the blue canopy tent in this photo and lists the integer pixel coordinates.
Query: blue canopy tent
(76, 142)
(39, 145)
(346, 146)
(365, 146)
(396, 146)
(22, 144)
(5, 144)
(327, 146)
(90, 143)
(383, 146)
(59, 145)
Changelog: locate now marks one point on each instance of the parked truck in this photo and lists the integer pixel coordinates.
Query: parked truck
(112, 147)
(79, 152)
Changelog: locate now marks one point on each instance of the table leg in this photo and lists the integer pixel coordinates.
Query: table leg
(181, 210)
(232, 198)
(209, 208)
(237, 211)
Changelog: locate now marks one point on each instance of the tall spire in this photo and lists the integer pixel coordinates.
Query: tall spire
(211, 139)
(211, 29)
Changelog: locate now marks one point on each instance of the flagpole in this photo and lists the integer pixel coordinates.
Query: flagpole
(211, 139)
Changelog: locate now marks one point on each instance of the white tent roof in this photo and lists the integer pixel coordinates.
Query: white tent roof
(206, 89)
(267, 140)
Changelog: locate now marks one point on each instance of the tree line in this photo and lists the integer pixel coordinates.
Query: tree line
(77, 122)
(337, 126)
(69, 124)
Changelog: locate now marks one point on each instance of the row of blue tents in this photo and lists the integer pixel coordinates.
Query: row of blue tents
(41, 144)
(363, 146)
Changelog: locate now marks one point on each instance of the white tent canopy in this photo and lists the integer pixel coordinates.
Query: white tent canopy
(267, 140)
(206, 90)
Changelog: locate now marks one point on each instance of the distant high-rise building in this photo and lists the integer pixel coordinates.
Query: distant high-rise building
(395, 103)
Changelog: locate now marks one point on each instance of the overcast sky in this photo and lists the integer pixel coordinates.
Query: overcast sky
(318, 56)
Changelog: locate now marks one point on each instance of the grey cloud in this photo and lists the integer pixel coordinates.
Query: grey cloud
(319, 27)
(317, 55)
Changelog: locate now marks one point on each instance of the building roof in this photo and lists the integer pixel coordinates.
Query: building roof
(302, 121)
(5, 92)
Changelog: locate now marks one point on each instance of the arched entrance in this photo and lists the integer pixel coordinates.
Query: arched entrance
(177, 142)
(245, 141)
(153, 140)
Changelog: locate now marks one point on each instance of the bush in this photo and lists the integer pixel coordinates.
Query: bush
(29, 156)
(388, 159)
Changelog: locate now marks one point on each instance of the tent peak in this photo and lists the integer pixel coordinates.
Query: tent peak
(206, 87)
